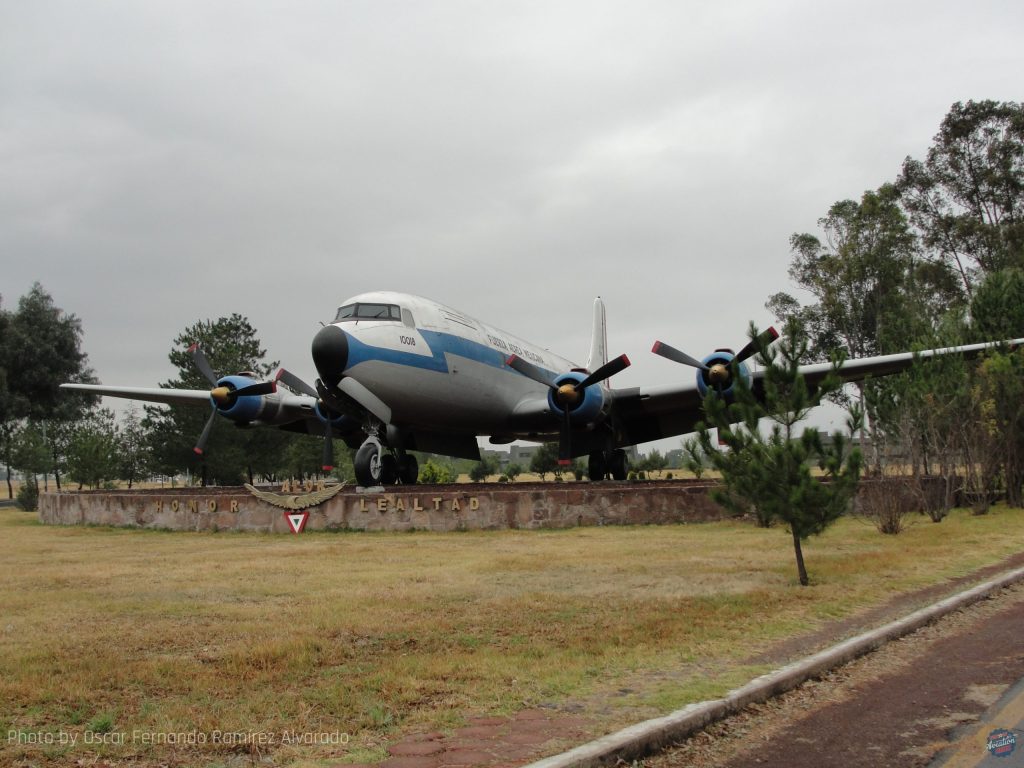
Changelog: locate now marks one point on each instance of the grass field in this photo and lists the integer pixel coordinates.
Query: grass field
(124, 635)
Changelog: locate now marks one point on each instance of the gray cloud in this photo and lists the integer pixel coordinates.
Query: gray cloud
(166, 163)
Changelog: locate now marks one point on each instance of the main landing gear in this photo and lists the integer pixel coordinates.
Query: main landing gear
(375, 465)
(602, 464)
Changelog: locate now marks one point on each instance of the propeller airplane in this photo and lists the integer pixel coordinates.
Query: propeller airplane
(401, 373)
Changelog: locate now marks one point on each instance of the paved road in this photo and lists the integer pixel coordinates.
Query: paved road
(933, 698)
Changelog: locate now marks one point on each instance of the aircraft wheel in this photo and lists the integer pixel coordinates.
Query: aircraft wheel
(408, 469)
(618, 466)
(388, 469)
(368, 465)
(596, 467)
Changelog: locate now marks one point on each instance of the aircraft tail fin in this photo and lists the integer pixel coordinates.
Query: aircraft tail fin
(598, 339)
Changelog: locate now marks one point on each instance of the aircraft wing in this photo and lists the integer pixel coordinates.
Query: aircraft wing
(149, 394)
(884, 365)
(642, 414)
(651, 413)
(280, 409)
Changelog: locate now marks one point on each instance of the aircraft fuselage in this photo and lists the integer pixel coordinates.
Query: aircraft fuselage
(437, 368)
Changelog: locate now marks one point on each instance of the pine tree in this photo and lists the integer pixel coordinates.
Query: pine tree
(771, 473)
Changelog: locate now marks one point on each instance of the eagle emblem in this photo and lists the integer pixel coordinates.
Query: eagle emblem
(295, 500)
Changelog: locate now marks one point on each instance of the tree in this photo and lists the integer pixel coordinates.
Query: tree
(857, 276)
(655, 461)
(967, 197)
(30, 455)
(874, 293)
(997, 429)
(40, 347)
(7, 411)
(483, 469)
(93, 456)
(773, 471)
(512, 471)
(695, 459)
(302, 457)
(997, 312)
(997, 307)
(921, 413)
(231, 346)
(544, 460)
(134, 455)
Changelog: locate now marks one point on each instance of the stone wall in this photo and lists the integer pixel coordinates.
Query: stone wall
(427, 508)
(433, 508)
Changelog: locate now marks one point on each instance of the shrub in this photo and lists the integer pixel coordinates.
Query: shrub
(28, 494)
(886, 502)
(433, 473)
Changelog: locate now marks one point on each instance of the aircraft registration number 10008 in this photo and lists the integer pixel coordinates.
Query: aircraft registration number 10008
(409, 341)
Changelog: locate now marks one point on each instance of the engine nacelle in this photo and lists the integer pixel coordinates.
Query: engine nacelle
(340, 423)
(591, 405)
(719, 378)
(243, 409)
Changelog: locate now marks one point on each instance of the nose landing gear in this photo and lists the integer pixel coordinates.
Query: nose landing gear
(375, 465)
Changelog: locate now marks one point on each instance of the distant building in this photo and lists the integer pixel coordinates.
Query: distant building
(517, 454)
(522, 454)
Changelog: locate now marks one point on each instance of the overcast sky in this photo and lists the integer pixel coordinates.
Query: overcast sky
(163, 163)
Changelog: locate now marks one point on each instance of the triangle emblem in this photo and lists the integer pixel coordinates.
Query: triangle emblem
(297, 520)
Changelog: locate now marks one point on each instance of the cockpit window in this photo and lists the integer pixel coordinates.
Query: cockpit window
(368, 312)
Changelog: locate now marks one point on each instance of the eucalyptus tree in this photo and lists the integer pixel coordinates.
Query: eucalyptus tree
(966, 198)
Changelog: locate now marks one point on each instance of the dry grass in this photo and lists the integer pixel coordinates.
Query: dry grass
(377, 635)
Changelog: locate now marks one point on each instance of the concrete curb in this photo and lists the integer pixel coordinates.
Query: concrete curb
(647, 737)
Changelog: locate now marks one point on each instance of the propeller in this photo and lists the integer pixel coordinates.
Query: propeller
(568, 394)
(718, 374)
(293, 382)
(677, 356)
(223, 396)
(763, 339)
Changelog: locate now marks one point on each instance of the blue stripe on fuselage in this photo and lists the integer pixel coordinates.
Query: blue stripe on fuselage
(439, 344)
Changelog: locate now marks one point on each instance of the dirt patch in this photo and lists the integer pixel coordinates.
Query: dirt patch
(495, 742)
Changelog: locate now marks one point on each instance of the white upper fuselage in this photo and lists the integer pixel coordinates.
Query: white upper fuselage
(437, 368)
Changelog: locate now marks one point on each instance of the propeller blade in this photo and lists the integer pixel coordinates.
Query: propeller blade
(260, 388)
(293, 382)
(677, 355)
(199, 358)
(530, 371)
(201, 445)
(606, 371)
(328, 458)
(762, 339)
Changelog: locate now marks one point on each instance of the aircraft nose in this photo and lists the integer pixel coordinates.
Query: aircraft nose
(330, 354)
